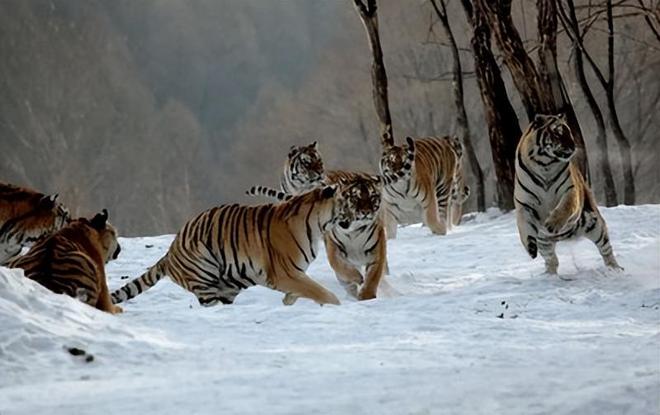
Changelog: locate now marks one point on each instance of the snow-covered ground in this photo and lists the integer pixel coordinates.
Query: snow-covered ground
(468, 324)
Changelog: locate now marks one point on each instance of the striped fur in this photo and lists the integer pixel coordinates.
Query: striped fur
(71, 261)
(229, 248)
(432, 194)
(357, 245)
(25, 217)
(553, 202)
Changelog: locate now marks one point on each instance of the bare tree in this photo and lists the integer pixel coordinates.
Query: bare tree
(368, 15)
(571, 26)
(459, 101)
(608, 87)
(503, 128)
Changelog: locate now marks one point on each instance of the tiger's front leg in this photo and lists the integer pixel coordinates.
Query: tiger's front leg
(527, 230)
(567, 211)
(375, 270)
(348, 276)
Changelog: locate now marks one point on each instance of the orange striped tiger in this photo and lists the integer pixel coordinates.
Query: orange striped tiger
(71, 261)
(25, 217)
(432, 191)
(361, 245)
(553, 202)
(229, 248)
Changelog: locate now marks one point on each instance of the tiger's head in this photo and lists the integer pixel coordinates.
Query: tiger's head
(358, 202)
(107, 234)
(47, 216)
(553, 136)
(305, 166)
(398, 161)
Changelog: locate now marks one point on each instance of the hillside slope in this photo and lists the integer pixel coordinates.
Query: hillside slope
(466, 324)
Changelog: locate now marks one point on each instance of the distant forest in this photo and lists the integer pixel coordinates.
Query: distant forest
(158, 109)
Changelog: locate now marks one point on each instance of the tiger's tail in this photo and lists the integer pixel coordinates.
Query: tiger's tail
(141, 283)
(268, 192)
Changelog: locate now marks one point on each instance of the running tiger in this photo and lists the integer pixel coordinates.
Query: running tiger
(359, 241)
(71, 261)
(229, 248)
(553, 202)
(361, 245)
(25, 217)
(435, 191)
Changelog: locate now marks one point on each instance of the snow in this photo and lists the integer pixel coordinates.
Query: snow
(466, 324)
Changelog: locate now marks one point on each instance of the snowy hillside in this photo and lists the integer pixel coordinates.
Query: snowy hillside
(468, 324)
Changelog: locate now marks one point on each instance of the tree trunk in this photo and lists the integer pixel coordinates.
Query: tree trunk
(622, 140)
(503, 128)
(461, 115)
(368, 15)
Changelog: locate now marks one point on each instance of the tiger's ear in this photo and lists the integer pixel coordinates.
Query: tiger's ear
(315, 145)
(292, 151)
(48, 200)
(411, 143)
(386, 139)
(328, 192)
(562, 117)
(98, 221)
(539, 120)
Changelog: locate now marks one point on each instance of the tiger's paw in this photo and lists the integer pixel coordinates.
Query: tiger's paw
(289, 299)
(553, 225)
(366, 294)
(117, 310)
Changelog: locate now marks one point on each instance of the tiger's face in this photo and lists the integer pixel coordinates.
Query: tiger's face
(396, 159)
(357, 202)
(306, 165)
(554, 137)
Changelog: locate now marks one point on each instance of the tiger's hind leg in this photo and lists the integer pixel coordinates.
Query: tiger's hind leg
(595, 230)
(104, 302)
(435, 221)
(209, 295)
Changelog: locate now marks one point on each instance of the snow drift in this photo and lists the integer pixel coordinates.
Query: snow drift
(466, 323)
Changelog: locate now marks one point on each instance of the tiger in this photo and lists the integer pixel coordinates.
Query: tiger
(435, 190)
(360, 245)
(25, 217)
(229, 248)
(303, 169)
(71, 261)
(552, 200)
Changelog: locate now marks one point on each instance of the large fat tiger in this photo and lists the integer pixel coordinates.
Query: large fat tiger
(71, 261)
(435, 191)
(552, 200)
(359, 241)
(25, 217)
(229, 248)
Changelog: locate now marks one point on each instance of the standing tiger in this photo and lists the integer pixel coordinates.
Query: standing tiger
(359, 241)
(435, 191)
(229, 248)
(553, 202)
(71, 261)
(25, 217)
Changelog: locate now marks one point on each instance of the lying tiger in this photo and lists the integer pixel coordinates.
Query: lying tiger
(71, 261)
(553, 202)
(25, 217)
(435, 191)
(229, 248)
(359, 242)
